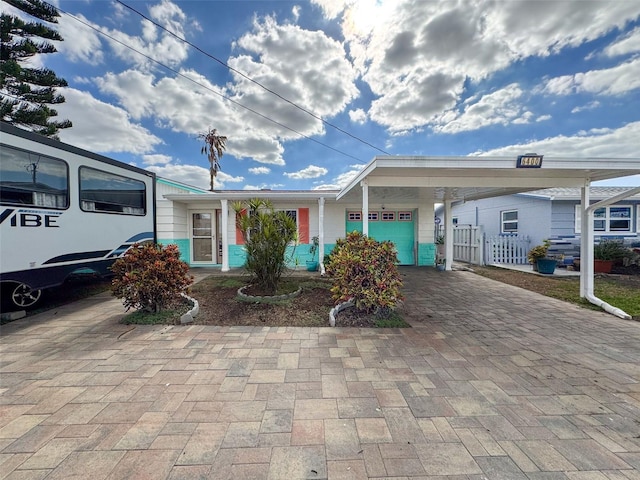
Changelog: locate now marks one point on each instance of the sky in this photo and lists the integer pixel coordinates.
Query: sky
(308, 92)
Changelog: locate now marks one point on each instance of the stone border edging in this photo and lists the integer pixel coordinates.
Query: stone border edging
(188, 317)
(266, 298)
(337, 309)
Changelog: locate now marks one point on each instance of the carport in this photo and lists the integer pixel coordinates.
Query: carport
(450, 180)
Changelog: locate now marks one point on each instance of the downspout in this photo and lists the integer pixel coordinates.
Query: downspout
(589, 295)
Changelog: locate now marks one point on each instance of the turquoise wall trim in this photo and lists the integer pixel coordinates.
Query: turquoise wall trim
(426, 254)
(400, 233)
(237, 256)
(181, 187)
(183, 245)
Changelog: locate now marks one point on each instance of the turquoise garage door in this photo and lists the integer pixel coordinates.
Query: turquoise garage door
(395, 226)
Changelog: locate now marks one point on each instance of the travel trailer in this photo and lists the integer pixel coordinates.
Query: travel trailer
(64, 211)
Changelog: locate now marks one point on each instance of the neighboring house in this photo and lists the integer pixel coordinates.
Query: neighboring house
(552, 213)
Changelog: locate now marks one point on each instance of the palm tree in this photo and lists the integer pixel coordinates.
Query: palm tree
(214, 146)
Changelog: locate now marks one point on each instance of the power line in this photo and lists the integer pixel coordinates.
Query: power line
(243, 75)
(208, 88)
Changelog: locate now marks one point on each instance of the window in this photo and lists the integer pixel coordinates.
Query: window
(404, 216)
(388, 216)
(30, 179)
(612, 219)
(354, 216)
(105, 192)
(454, 220)
(509, 221)
(373, 216)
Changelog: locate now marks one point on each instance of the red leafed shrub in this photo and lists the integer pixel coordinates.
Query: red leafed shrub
(150, 277)
(366, 271)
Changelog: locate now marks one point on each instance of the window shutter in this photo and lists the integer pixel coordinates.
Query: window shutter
(303, 225)
(577, 218)
(239, 237)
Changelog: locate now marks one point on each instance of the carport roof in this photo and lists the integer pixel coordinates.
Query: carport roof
(403, 178)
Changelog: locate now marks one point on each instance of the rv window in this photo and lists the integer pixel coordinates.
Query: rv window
(30, 179)
(105, 192)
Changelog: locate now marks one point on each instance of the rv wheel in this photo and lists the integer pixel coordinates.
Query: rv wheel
(24, 297)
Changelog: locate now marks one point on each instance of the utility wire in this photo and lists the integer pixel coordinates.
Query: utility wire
(208, 88)
(226, 65)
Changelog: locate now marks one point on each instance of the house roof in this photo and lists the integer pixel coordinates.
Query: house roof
(471, 178)
(595, 193)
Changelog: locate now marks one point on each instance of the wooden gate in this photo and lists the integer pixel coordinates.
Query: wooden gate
(467, 244)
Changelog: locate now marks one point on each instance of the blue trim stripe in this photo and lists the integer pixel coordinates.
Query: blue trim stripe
(140, 237)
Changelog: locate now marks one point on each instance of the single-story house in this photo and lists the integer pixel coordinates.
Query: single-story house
(394, 198)
(552, 213)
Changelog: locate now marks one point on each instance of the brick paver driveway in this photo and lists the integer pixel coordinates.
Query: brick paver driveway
(491, 382)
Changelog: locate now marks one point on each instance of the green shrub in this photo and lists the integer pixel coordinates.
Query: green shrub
(150, 277)
(266, 234)
(366, 271)
(609, 250)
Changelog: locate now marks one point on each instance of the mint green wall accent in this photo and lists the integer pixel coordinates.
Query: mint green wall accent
(181, 187)
(426, 254)
(237, 256)
(183, 245)
(400, 233)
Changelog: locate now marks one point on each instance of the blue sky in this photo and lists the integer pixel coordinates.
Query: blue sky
(560, 78)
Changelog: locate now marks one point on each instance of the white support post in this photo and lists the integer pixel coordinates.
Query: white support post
(225, 234)
(321, 234)
(586, 243)
(448, 235)
(365, 206)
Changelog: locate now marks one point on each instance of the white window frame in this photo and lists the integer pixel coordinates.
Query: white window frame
(390, 216)
(607, 218)
(503, 221)
(374, 216)
(351, 216)
(407, 214)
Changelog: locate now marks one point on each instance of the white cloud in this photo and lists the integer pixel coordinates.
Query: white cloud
(81, 43)
(322, 83)
(589, 106)
(311, 171)
(500, 107)
(101, 127)
(193, 175)
(295, 11)
(613, 143)
(610, 81)
(416, 56)
(543, 118)
(260, 170)
(358, 116)
(152, 41)
(630, 43)
(341, 180)
(156, 159)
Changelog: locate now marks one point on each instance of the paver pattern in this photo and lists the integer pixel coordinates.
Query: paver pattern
(492, 382)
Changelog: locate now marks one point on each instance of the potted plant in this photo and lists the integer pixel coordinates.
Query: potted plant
(312, 265)
(606, 253)
(441, 264)
(440, 245)
(537, 256)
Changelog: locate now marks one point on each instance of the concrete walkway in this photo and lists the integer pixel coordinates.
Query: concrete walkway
(492, 382)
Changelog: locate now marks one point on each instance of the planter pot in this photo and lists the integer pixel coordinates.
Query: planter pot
(602, 266)
(440, 249)
(440, 267)
(312, 265)
(546, 266)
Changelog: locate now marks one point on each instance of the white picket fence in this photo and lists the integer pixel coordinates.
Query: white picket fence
(507, 249)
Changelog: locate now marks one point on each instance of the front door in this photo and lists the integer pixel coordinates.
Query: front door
(202, 238)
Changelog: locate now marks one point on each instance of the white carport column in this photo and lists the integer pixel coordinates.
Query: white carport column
(225, 234)
(448, 235)
(365, 206)
(586, 243)
(321, 230)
